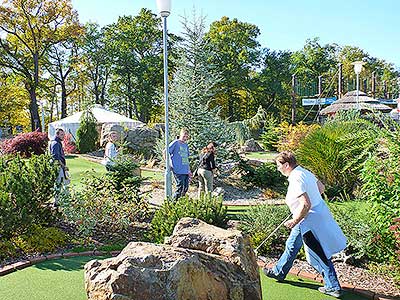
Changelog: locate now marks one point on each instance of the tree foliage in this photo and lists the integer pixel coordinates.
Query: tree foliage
(87, 134)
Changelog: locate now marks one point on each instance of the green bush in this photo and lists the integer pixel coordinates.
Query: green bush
(260, 221)
(354, 220)
(7, 249)
(110, 201)
(380, 185)
(26, 188)
(264, 176)
(270, 136)
(40, 239)
(87, 134)
(206, 208)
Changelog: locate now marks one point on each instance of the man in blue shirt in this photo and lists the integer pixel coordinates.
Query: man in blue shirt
(179, 153)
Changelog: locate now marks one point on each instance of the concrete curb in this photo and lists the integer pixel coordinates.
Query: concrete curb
(347, 287)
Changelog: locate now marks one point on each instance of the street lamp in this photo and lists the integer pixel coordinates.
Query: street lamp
(357, 69)
(164, 8)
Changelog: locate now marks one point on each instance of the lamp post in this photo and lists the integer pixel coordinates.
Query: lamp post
(357, 69)
(164, 8)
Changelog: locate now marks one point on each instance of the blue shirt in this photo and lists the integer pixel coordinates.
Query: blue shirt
(179, 153)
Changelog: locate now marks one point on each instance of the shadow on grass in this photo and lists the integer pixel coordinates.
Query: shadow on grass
(67, 264)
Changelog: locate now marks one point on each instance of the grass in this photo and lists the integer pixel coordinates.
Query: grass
(267, 156)
(79, 165)
(62, 279)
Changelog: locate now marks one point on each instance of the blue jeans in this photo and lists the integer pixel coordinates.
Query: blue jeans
(182, 185)
(314, 254)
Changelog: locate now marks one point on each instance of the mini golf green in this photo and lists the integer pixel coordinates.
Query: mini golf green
(62, 279)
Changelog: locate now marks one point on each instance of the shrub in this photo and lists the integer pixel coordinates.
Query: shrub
(111, 201)
(40, 239)
(290, 135)
(26, 144)
(87, 134)
(395, 228)
(207, 208)
(264, 176)
(260, 221)
(26, 188)
(7, 249)
(270, 136)
(353, 219)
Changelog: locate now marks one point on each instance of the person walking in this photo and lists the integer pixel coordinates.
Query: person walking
(206, 169)
(110, 152)
(179, 153)
(312, 225)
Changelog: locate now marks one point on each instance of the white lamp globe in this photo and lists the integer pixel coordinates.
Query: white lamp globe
(164, 7)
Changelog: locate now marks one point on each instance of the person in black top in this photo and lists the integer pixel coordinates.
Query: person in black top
(206, 169)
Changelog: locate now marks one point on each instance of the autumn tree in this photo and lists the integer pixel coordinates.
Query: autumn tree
(28, 28)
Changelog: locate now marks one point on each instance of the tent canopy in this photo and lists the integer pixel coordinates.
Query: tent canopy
(103, 116)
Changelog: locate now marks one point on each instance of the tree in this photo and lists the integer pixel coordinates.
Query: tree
(97, 61)
(192, 89)
(136, 44)
(28, 28)
(235, 54)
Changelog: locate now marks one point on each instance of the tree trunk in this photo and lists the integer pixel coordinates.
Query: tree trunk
(33, 109)
(63, 100)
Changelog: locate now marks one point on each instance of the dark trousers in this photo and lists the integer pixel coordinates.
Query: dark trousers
(182, 185)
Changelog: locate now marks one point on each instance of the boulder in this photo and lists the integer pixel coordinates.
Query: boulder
(251, 146)
(214, 266)
(107, 128)
(142, 139)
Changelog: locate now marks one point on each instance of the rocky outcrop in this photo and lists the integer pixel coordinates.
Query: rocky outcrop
(251, 146)
(142, 139)
(200, 262)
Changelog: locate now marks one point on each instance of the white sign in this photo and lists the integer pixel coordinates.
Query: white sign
(320, 101)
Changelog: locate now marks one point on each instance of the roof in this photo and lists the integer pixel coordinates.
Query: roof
(349, 102)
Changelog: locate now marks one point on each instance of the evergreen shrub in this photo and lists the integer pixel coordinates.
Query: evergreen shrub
(207, 208)
(26, 188)
(26, 144)
(87, 134)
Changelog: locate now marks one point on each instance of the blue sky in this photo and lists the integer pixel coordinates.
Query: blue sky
(373, 25)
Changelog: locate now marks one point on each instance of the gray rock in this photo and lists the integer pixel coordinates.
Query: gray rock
(251, 146)
(142, 139)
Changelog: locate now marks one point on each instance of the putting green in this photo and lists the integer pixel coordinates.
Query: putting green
(62, 279)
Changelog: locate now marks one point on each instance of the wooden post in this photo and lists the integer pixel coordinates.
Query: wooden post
(340, 81)
(293, 99)
(365, 85)
(319, 86)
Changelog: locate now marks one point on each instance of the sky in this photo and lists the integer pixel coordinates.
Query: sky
(372, 25)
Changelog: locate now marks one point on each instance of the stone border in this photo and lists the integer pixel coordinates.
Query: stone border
(293, 271)
(347, 287)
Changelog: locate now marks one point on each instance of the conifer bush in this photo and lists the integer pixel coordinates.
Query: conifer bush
(87, 134)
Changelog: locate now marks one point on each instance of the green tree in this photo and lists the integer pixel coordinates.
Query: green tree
(28, 28)
(136, 44)
(236, 54)
(87, 134)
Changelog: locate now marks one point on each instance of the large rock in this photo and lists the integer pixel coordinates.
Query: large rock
(217, 265)
(142, 139)
(251, 146)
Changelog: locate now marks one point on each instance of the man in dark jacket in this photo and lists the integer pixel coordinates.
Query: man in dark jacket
(57, 153)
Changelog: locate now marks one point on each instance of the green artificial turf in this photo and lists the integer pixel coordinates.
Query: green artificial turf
(78, 166)
(62, 279)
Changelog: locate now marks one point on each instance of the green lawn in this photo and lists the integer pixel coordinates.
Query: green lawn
(62, 279)
(267, 156)
(79, 165)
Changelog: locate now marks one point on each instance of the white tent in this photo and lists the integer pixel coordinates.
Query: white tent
(71, 124)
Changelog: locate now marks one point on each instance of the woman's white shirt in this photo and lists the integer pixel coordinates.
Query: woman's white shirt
(110, 153)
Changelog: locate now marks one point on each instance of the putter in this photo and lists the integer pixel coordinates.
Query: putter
(271, 234)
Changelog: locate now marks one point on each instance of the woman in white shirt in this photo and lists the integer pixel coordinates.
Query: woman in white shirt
(111, 150)
(312, 225)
